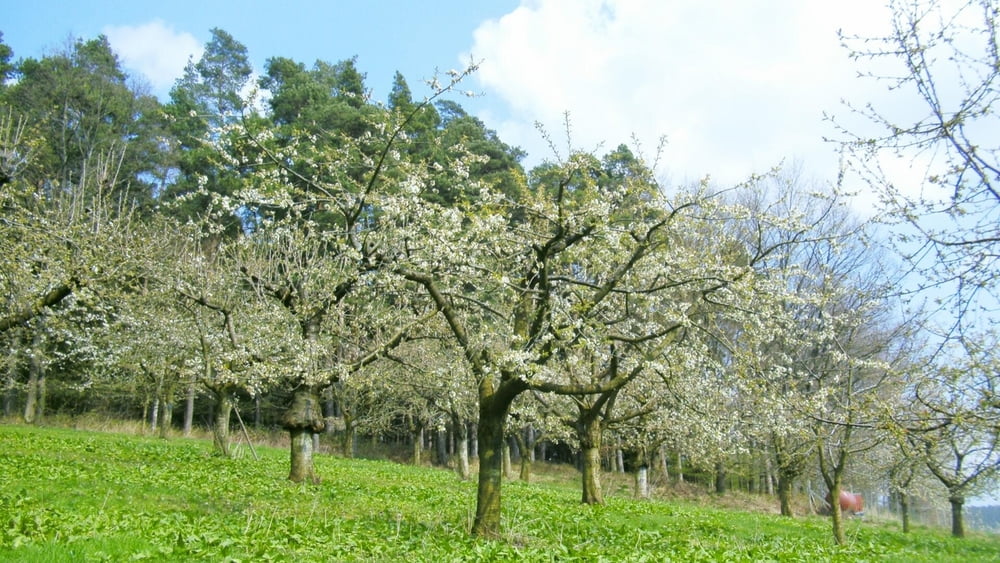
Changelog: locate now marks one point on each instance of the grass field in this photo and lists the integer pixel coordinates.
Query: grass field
(70, 495)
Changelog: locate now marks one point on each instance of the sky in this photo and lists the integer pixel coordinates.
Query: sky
(735, 87)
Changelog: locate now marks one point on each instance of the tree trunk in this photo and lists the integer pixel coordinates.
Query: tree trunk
(441, 445)
(34, 406)
(590, 450)
(664, 463)
(768, 475)
(904, 511)
(642, 481)
(348, 442)
(154, 415)
(505, 448)
(31, 400)
(785, 492)
(220, 431)
(720, 478)
(957, 519)
(680, 467)
(837, 515)
(494, 406)
(418, 445)
(303, 419)
(524, 448)
(167, 418)
(302, 468)
(189, 409)
(461, 448)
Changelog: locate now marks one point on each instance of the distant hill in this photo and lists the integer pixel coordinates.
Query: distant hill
(984, 517)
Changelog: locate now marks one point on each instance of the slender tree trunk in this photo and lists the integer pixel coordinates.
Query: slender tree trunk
(220, 431)
(904, 511)
(257, 414)
(474, 441)
(505, 448)
(461, 447)
(680, 467)
(418, 444)
(664, 462)
(590, 450)
(34, 405)
(836, 514)
(524, 448)
(189, 408)
(154, 415)
(768, 475)
(957, 518)
(167, 418)
(619, 458)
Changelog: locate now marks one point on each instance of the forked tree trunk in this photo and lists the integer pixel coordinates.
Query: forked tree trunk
(957, 518)
(590, 452)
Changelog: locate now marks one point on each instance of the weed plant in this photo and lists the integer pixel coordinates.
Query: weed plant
(69, 495)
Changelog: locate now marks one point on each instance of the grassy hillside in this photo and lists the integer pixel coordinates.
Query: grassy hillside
(77, 496)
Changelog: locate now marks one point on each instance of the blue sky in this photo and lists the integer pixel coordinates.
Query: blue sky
(735, 86)
(385, 35)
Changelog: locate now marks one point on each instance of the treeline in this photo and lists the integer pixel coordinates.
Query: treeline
(328, 262)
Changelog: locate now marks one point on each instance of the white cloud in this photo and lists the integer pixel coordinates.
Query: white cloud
(736, 86)
(155, 50)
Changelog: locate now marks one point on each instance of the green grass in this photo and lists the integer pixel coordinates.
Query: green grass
(77, 496)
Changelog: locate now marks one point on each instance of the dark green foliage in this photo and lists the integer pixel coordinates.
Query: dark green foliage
(208, 96)
(7, 68)
(81, 103)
